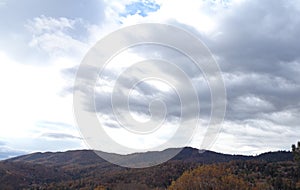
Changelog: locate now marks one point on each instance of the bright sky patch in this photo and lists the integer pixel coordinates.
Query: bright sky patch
(140, 8)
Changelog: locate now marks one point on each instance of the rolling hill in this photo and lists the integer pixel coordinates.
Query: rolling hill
(83, 169)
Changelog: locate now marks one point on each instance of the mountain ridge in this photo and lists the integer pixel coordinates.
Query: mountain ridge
(76, 169)
(184, 154)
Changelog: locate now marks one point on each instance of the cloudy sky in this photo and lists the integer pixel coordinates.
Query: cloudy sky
(255, 43)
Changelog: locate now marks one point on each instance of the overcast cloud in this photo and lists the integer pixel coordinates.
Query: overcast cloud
(255, 43)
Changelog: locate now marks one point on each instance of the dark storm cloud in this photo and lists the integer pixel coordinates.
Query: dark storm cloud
(257, 46)
(145, 92)
(260, 37)
(257, 35)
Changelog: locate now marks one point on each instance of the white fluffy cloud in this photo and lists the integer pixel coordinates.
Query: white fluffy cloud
(56, 36)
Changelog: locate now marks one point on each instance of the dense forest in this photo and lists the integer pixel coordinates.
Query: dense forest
(239, 175)
(243, 175)
(188, 170)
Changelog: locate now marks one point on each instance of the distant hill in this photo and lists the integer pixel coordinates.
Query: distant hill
(83, 168)
(188, 154)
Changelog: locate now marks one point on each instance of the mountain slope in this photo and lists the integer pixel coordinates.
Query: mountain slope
(86, 157)
(83, 168)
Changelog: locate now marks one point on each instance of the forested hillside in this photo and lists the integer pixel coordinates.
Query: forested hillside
(85, 170)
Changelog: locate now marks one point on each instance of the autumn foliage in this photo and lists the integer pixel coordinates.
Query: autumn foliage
(216, 177)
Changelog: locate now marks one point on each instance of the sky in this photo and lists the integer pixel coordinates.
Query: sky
(254, 42)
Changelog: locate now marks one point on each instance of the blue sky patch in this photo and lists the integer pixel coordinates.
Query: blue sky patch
(142, 8)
